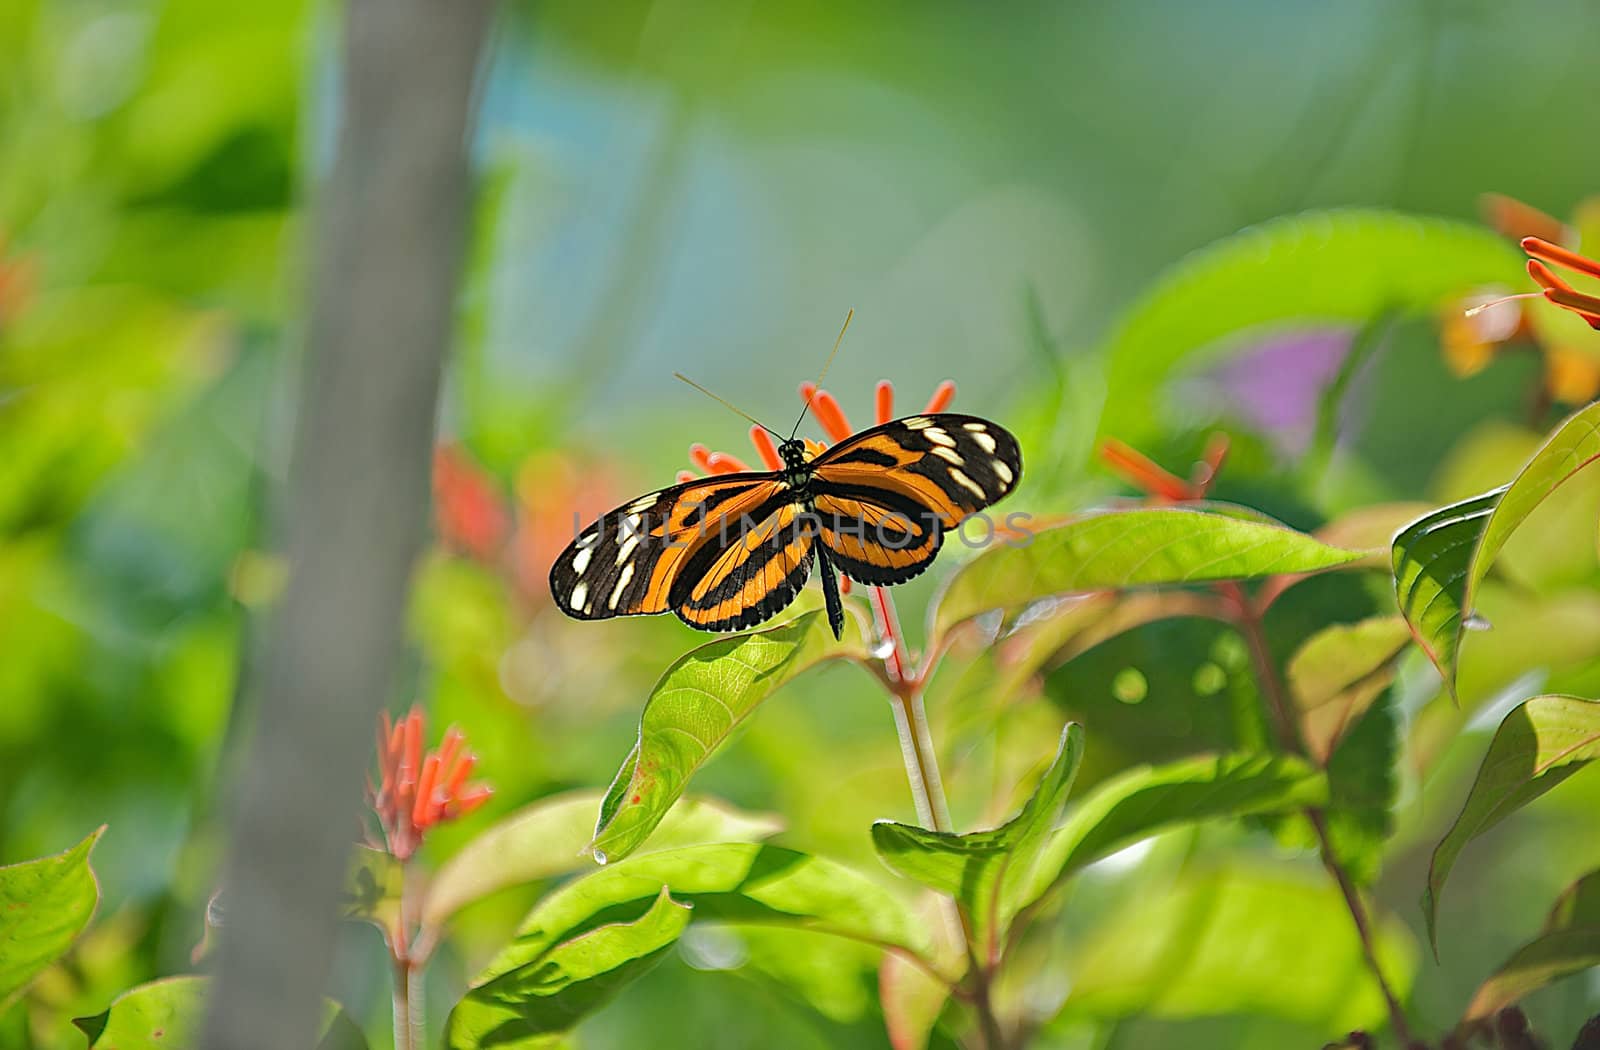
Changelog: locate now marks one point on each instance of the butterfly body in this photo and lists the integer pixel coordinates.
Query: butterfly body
(729, 551)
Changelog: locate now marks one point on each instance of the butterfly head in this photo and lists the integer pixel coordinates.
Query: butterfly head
(793, 453)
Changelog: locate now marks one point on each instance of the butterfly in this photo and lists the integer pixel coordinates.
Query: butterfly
(731, 550)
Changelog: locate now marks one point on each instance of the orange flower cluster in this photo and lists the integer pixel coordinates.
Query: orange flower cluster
(1474, 331)
(555, 496)
(1556, 290)
(470, 516)
(829, 414)
(417, 791)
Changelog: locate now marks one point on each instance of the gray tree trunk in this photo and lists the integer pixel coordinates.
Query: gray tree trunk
(389, 237)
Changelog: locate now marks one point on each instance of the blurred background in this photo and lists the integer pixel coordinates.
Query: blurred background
(682, 185)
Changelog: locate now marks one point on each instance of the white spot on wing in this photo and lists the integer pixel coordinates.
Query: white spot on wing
(967, 483)
(630, 524)
(949, 455)
(1003, 471)
(917, 422)
(622, 581)
(580, 561)
(985, 441)
(939, 437)
(627, 548)
(580, 593)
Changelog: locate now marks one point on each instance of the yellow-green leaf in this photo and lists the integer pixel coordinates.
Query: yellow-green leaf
(1542, 742)
(697, 704)
(1131, 548)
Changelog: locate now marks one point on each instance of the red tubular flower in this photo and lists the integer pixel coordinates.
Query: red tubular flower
(1474, 330)
(1556, 290)
(1160, 484)
(417, 791)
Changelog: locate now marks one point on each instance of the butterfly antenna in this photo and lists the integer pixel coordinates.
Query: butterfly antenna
(729, 405)
(821, 375)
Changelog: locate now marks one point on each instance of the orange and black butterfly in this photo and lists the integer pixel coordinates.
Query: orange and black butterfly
(729, 551)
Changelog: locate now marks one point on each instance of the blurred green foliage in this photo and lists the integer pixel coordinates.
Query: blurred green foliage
(1004, 196)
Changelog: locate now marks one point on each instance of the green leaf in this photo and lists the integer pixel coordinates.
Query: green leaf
(166, 1014)
(1572, 445)
(1277, 275)
(1569, 943)
(1131, 548)
(1442, 560)
(1238, 940)
(1336, 675)
(551, 837)
(1431, 557)
(697, 704)
(44, 905)
(985, 870)
(1141, 802)
(528, 1005)
(743, 883)
(1538, 745)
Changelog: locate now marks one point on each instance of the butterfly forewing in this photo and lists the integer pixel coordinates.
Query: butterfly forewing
(887, 495)
(629, 560)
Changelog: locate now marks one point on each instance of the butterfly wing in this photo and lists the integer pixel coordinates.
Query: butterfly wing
(887, 495)
(633, 559)
(735, 580)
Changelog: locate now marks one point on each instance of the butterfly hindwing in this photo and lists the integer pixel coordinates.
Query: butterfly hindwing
(630, 560)
(730, 582)
(887, 495)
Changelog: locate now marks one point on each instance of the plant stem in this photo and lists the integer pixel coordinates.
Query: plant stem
(927, 791)
(1247, 620)
(403, 1039)
(409, 1030)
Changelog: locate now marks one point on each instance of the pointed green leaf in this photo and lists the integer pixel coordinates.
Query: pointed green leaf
(1538, 745)
(1573, 445)
(1442, 560)
(985, 870)
(1336, 675)
(1431, 558)
(551, 837)
(1568, 944)
(529, 1005)
(697, 704)
(44, 905)
(1276, 275)
(166, 1014)
(1141, 802)
(742, 883)
(1130, 548)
